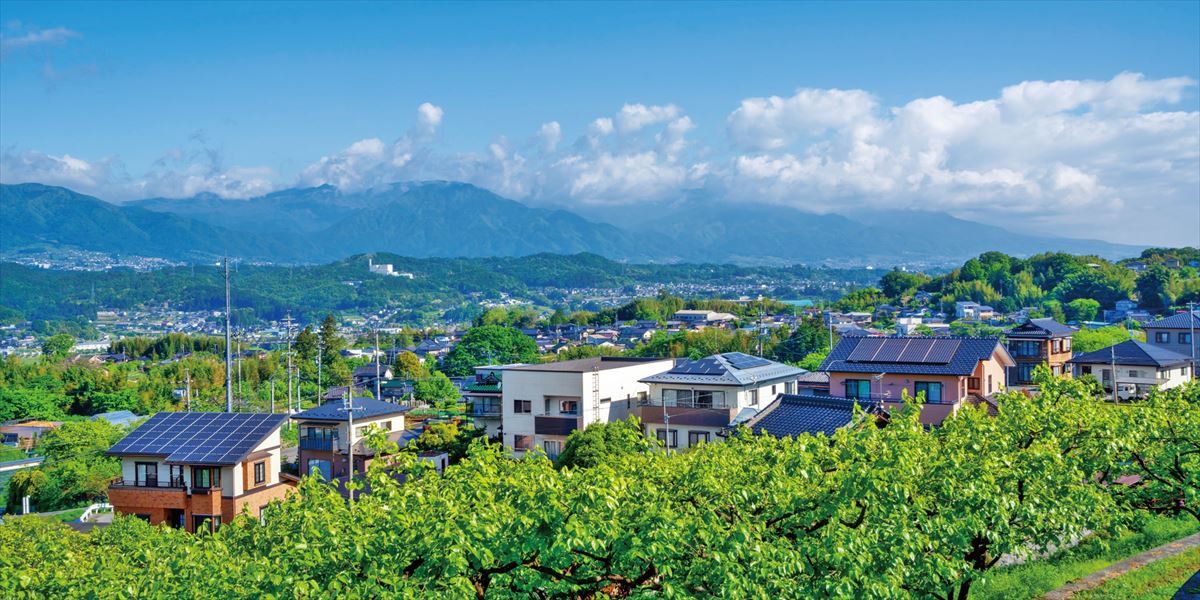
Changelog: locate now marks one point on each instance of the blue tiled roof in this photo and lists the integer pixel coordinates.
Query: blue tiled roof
(793, 415)
(1133, 352)
(364, 408)
(730, 368)
(1179, 321)
(965, 354)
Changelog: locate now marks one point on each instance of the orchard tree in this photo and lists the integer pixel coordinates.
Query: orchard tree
(57, 346)
(602, 442)
(436, 390)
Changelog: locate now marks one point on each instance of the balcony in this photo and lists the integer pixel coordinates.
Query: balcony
(317, 443)
(484, 410)
(688, 403)
(150, 482)
(554, 425)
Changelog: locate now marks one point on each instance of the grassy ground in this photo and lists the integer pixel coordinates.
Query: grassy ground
(1035, 578)
(70, 515)
(1155, 581)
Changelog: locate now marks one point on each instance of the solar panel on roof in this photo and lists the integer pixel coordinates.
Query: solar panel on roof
(943, 351)
(741, 360)
(889, 350)
(212, 438)
(865, 350)
(915, 351)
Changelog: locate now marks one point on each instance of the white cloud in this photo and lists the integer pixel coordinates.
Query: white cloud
(635, 117)
(371, 162)
(775, 122)
(35, 37)
(549, 135)
(89, 177)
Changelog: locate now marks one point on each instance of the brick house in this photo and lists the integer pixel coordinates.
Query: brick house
(199, 470)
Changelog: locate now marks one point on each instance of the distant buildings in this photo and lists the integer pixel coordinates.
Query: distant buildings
(385, 269)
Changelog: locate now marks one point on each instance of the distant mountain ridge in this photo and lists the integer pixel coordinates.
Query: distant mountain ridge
(450, 219)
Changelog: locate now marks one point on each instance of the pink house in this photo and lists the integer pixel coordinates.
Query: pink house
(943, 372)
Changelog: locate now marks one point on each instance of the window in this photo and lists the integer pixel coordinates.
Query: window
(858, 388)
(772, 391)
(1025, 373)
(697, 437)
(568, 407)
(1162, 337)
(324, 467)
(205, 522)
(972, 383)
(1055, 346)
(753, 397)
(206, 477)
(522, 442)
(146, 474)
(931, 389)
(605, 400)
(1185, 338)
(1023, 348)
(1085, 370)
(522, 407)
(989, 384)
(694, 398)
(1133, 373)
(386, 425)
(552, 447)
(260, 472)
(1066, 345)
(789, 387)
(668, 437)
(176, 473)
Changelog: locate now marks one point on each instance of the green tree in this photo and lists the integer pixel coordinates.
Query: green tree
(1083, 309)
(1090, 340)
(305, 345)
(1157, 287)
(58, 346)
(489, 344)
(436, 390)
(332, 344)
(603, 442)
(75, 470)
(408, 366)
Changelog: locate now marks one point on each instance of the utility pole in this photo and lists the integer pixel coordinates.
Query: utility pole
(241, 397)
(348, 406)
(288, 319)
(228, 348)
(320, 351)
(377, 374)
(187, 388)
(272, 395)
(1192, 333)
(1113, 354)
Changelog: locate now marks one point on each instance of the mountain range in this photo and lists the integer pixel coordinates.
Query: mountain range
(450, 219)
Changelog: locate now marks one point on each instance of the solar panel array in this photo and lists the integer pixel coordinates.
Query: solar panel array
(703, 366)
(741, 360)
(199, 438)
(924, 351)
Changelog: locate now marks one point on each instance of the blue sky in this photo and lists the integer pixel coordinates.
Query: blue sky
(169, 99)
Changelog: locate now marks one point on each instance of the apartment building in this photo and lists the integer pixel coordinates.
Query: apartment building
(325, 436)
(196, 471)
(484, 400)
(945, 372)
(694, 400)
(543, 403)
(1038, 342)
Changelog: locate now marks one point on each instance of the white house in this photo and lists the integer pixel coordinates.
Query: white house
(543, 403)
(695, 399)
(1140, 367)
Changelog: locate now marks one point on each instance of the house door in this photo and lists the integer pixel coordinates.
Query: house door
(175, 518)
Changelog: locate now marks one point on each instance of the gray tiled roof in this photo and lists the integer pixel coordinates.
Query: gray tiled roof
(721, 369)
(1133, 352)
(1042, 328)
(1179, 321)
(364, 408)
(965, 354)
(793, 415)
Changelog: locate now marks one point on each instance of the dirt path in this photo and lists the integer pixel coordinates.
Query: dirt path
(1123, 567)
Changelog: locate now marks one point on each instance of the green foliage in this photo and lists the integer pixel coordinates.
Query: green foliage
(1090, 340)
(436, 390)
(602, 443)
(489, 344)
(897, 284)
(167, 346)
(1162, 434)
(75, 470)
(810, 336)
(974, 329)
(1158, 287)
(449, 438)
(25, 403)
(408, 366)
(1083, 309)
(862, 300)
(58, 346)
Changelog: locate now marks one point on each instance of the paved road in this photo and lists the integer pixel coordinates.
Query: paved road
(1125, 566)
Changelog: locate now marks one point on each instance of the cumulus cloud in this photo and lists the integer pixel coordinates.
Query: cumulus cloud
(371, 162)
(774, 122)
(549, 135)
(635, 117)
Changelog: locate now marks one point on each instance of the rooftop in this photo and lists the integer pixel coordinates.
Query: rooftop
(793, 415)
(1041, 328)
(1178, 321)
(730, 368)
(364, 408)
(198, 437)
(1133, 352)
(584, 365)
(916, 355)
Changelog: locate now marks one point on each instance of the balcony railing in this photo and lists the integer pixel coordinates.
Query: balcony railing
(316, 443)
(693, 403)
(167, 482)
(485, 410)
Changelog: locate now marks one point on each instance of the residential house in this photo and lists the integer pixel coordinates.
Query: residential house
(792, 415)
(1038, 342)
(1140, 367)
(813, 383)
(1176, 333)
(945, 372)
(484, 399)
(194, 470)
(696, 399)
(543, 403)
(364, 376)
(326, 439)
(25, 434)
(120, 418)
